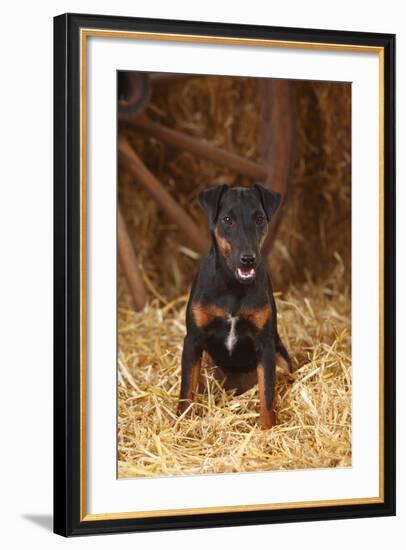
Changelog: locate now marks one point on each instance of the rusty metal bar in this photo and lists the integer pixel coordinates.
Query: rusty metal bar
(141, 173)
(129, 264)
(202, 149)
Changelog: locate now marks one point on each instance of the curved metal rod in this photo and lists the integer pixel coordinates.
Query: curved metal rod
(141, 173)
(129, 264)
(201, 148)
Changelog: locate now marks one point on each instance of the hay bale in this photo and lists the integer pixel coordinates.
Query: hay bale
(310, 268)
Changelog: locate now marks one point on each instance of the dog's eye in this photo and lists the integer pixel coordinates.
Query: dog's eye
(227, 220)
(259, 220)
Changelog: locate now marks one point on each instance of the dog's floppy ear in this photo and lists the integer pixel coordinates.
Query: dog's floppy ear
(270, 200)
(210, 201)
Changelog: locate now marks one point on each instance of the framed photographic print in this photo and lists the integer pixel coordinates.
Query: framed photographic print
(224, 274)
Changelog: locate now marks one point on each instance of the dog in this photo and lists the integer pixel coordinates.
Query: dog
(231, 312)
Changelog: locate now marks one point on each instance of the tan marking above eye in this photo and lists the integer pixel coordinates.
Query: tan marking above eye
(203, 314)
(258, 316)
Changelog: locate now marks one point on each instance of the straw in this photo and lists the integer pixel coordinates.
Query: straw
(310, 268)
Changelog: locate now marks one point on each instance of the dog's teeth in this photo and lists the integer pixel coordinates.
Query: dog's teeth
(246, 274)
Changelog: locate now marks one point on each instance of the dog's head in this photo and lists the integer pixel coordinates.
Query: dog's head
(239, 219)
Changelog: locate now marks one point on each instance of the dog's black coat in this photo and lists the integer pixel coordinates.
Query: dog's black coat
(231, 313)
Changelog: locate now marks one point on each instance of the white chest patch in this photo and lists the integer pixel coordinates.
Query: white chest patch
(231, 339)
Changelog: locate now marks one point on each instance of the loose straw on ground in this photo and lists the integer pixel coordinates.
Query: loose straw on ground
(310, 266)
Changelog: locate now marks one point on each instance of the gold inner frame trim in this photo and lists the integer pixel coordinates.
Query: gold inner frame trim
(222, 509)
(84, 34)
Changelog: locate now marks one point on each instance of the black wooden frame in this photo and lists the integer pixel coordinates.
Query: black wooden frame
(67, 275)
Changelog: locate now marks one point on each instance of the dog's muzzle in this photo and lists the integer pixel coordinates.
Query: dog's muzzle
(246, 271)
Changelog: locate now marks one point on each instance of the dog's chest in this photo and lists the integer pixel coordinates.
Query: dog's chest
(230, 341)
(231, 338)
(230, 332)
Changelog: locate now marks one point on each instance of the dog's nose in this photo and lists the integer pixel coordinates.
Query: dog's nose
(247, 259)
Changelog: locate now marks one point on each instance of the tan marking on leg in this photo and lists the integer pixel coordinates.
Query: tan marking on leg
(282, 364)
(224, 245)
(207, 365)
(219, 374)
(193, 384)
(203, 314)
(207, 360)
(194, 380)
(266, 415)
(257, 317)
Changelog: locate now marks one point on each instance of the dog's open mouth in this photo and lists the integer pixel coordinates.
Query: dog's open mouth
(245, 273)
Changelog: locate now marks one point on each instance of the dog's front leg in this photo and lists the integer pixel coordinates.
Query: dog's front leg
(266, 387)
(191, 365)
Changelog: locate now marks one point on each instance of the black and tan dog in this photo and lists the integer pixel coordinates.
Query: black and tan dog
(231, 314)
